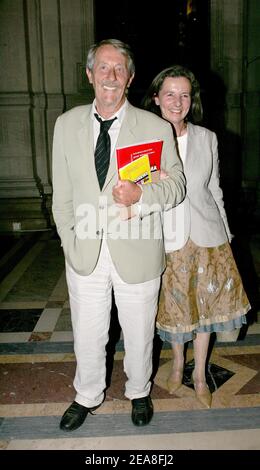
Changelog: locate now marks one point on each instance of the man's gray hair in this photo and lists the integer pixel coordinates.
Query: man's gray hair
(121, 46)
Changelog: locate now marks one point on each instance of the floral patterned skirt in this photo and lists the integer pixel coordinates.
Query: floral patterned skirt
(201, 291)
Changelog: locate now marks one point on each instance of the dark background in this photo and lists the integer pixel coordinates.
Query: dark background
(172, 32)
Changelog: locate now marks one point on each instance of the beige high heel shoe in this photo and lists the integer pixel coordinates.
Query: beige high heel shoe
(202, 392)
(174, 381)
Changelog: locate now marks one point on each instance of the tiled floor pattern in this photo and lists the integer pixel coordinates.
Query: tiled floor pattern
(37, 367)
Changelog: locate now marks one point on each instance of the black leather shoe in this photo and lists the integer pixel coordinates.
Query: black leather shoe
(142, 411)
(75, 416)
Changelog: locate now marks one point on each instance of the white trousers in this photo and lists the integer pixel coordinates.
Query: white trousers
(90, 304)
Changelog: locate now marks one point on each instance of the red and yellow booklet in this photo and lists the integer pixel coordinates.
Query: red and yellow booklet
(138, 170)
(140, 162)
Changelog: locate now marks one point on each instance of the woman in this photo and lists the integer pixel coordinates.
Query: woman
(202, 291)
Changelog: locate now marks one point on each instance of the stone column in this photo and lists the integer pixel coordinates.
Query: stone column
(235, 45)
(43, 46)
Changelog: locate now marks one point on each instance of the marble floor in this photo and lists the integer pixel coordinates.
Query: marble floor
(37, 366)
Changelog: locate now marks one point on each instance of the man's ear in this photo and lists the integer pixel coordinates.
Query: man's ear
(156, 100)
(89, 75)
(130, 80)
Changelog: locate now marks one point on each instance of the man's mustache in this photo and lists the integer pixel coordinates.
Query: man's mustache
(110, 84)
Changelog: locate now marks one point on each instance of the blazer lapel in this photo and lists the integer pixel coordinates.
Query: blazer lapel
(86, 142)
(190, 153)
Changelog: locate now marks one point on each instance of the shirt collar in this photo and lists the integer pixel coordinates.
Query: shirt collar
(120, 114)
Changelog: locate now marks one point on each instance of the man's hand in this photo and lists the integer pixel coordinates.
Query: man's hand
(126, 192)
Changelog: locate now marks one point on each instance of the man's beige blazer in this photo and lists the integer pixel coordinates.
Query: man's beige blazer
(84, 215)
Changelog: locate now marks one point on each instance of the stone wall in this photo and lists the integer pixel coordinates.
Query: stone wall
(43, 46)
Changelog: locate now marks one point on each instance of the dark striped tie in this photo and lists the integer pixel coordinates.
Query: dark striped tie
(102, 150)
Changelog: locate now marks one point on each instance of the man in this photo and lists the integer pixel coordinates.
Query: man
(103, 251)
